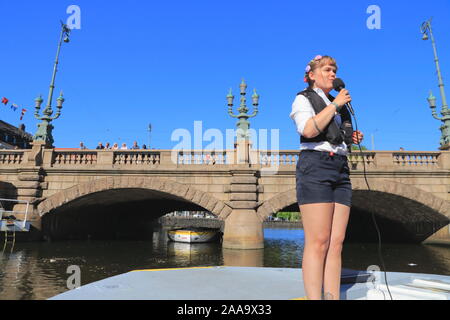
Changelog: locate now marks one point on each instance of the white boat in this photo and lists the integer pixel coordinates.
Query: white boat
(249, 283)
(193, 235)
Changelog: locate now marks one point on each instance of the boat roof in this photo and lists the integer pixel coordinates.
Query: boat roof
(220, 283)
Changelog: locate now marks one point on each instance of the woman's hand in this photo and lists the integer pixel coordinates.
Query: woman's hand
(357, 136)
(343, 97)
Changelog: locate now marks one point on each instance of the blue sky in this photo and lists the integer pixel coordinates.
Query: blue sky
(171, 63)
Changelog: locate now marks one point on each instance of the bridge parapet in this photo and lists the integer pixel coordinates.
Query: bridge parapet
(63, 158)
(11, 157)
(398, 160)
(373, 160)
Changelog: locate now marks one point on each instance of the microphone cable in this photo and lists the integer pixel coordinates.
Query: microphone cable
(380, 256)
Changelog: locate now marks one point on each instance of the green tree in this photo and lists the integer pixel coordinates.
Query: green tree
(356, 148)
(289, 216)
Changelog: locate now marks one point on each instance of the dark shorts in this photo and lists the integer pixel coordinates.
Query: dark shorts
(323, 178)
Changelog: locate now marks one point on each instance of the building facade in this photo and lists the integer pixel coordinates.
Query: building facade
(12, 137)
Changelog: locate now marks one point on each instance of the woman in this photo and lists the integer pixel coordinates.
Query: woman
(324, 190)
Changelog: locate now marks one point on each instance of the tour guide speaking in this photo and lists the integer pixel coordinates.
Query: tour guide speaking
(324, 190)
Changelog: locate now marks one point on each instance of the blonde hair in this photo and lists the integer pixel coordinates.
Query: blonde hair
(318, 62)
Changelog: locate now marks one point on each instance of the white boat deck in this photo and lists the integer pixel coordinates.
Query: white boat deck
(248, 283)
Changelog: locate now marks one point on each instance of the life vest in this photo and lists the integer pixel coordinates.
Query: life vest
(332, 132)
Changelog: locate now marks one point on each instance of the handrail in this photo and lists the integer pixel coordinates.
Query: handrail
(16, 201)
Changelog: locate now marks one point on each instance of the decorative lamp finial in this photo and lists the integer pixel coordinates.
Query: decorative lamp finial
(243, 87)
(255, 98)
(432, 100)
(230, 98)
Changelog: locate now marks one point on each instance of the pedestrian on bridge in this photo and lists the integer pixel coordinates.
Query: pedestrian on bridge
(135, 146)
(82, 146)
(324, 190)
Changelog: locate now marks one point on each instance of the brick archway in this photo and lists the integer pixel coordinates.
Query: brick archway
(185, 192)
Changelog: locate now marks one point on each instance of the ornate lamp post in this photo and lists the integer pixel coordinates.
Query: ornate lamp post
(243, 142)
(45, 128)
(445, 128)
(243, 125)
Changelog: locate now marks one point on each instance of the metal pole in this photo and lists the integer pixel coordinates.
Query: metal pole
(149, 136)
(436, 60)
(55, 69)
(445, 119)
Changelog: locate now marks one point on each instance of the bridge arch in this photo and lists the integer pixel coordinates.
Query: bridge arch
(405, 212)
(166, 186)
(277, 203)
(428, 199)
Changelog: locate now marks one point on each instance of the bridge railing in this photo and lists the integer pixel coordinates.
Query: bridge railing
(277, 158)
(358, 160)
(74, 158)
(202, 157)
(417, 159)
(372, 160)
(105, 157)
(11, 157)
(397, 160)
(137, 158)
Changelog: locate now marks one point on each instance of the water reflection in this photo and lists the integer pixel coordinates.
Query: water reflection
(39, 270)
(194, 254)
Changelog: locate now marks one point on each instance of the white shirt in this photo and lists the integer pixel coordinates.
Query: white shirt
(302, 111)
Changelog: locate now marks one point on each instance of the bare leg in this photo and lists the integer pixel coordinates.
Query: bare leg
(333, 261)
(317, 222)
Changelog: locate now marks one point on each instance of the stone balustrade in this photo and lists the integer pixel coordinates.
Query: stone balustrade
(69, 158)
(202, 157)
(136, 158)
(11, 157)
(270, 158)
(417, 159)
(368, 160)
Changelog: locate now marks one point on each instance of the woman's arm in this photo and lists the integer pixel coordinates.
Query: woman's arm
(321, 121)
(318, 123)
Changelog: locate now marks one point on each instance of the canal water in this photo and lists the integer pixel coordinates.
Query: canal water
(34, 271)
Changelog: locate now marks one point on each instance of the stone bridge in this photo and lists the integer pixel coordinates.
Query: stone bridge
(114, 193)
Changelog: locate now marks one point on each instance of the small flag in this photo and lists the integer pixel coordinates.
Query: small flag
(5, 101)
(14, 106)
(23, 114)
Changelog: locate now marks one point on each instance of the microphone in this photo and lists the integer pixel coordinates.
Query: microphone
(338, 85)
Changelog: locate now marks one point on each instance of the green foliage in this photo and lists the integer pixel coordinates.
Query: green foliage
(355, 147)
(289, 216)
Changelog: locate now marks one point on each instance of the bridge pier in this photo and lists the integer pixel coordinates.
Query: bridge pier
(243, 227)
(440, 237)
(243, 230)
(30, 183)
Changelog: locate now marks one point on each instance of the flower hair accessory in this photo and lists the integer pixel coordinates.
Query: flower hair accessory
(317, 58)
(308, 67)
